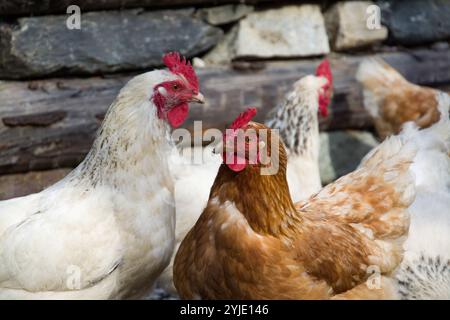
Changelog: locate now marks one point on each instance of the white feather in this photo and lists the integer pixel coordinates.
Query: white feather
(192, 188)
(107, 229)
(425, 270)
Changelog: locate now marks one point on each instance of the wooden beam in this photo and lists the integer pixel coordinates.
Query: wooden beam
(22, 184)
(51, 123)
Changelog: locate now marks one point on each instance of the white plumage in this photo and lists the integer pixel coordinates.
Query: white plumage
(425, 270)
(192, 187)
(297, 120)
(107, 229)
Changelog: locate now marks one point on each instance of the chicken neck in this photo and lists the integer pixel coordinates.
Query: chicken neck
(127, 145)
(264, 200)
(298, 124)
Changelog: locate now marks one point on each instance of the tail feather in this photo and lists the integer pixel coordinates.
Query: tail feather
(375, 199)
(393, 148)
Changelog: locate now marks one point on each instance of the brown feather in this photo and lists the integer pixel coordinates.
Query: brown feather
(397, 100)
(252, 242)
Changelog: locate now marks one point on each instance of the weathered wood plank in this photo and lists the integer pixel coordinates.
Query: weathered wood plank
(22, 184)
(32, 143)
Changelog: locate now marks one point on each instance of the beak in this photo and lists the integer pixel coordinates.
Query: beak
(199, 98)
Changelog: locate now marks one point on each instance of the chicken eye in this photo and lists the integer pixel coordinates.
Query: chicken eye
(175, 87)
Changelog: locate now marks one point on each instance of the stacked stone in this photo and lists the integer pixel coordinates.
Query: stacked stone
(56, 81)
(134, 39)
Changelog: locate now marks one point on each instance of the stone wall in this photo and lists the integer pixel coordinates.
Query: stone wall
(57, 82)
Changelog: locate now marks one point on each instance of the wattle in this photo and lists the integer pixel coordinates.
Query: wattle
(237, 164)
(177, 115)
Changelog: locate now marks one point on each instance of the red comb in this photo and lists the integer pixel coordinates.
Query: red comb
(324, 70)
(243, 118)
(179, 65)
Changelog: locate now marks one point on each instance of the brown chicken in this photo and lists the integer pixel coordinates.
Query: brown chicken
(252, 242)
(391, 100)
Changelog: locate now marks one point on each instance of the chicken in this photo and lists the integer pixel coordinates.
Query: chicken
(107, 229)
(252, 242)
(192, 186)
(425, 270)
(296, 118)
(391, 100)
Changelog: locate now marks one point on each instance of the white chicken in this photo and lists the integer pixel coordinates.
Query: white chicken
(107, 229)
(392, 101)
(425, 270)
(298, 123)
(296, 118)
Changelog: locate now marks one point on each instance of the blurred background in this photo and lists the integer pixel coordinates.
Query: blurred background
(61, 66)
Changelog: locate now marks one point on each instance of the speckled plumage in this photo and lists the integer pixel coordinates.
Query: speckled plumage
(297, 121)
